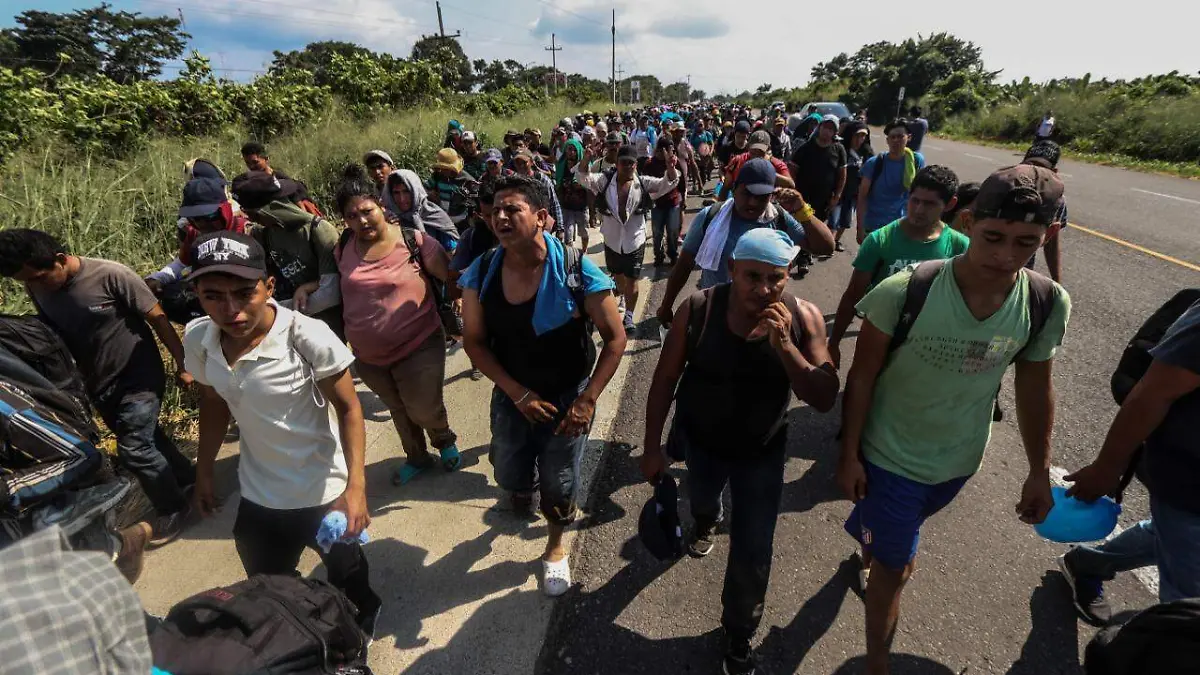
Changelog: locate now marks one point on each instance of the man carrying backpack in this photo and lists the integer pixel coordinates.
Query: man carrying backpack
(1159, 414)
(738, 352)
(714, 233)
(886, 179)
(917, 413)
(285, 378)
(625, 200)
(108, 318)
(528, 308)
(920, 235)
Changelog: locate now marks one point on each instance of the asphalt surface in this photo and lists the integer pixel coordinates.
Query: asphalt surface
(986, 597)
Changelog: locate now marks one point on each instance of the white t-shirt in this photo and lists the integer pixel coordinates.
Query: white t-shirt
(291, 451)
(1046, 127)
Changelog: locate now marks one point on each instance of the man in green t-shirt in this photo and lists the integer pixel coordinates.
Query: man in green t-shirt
(916, 418)
(918, 236)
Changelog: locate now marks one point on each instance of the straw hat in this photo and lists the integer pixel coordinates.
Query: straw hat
(448, 160)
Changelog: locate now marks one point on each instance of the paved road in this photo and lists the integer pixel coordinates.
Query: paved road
(986, 598)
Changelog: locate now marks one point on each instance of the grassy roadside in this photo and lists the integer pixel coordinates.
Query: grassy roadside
(1176, 169)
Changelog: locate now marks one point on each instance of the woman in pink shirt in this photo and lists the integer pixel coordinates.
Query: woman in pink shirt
(392, 323)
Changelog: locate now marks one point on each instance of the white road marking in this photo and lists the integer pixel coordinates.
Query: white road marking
(986, 159)
(1159, 194)
(1064, 175)
(931, 146)
(1147, 575)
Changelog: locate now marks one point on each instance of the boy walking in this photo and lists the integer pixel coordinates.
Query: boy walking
(920, 394)
(278, 372)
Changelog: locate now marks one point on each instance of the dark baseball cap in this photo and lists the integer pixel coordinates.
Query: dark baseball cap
(614, 137)
(742, 126)
(1043, 153)
(627, 152)
(760, 140)
(228, 253)
(658, 524)
(1025, 192)
(256, 189)
(202, 197)
(758, 175)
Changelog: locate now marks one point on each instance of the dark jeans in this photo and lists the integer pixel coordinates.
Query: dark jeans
(527, 456)
(665, 221)
(144, 449)
(755, 485)
(270, 541)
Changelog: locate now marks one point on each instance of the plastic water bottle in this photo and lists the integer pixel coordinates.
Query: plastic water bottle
(1072, 521)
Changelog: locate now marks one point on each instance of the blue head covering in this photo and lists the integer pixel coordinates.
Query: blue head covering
(766, 245)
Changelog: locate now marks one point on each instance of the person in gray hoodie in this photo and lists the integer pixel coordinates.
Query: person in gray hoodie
(405, 199)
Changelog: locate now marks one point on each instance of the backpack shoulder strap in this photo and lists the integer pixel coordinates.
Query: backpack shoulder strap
(699, 306)
(710, 212)
(876, 170)
(410, 241)
(914, 300)
(1042, 294)
(343, 241)
(573, 263)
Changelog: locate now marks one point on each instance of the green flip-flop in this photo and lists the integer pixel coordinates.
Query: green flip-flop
(406, 473)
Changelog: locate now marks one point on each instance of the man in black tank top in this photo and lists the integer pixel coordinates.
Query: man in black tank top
(527, 316)
(737, 353)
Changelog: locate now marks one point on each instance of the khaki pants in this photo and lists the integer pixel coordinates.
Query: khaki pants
(412, 388)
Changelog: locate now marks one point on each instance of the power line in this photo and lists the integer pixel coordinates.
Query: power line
(576, 14)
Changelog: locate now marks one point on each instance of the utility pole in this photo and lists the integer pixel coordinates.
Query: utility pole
(687, 94)
(554, 60)
(442, 27)
(617, 99)
(614, 57)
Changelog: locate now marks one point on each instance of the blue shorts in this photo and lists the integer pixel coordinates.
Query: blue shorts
(887, 522)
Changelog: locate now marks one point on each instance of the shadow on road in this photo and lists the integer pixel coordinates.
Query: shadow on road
(1052, 647)
(901, 664)
(784, 648)
(811, 436)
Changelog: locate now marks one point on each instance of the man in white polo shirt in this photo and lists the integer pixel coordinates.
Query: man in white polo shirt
(287, 382)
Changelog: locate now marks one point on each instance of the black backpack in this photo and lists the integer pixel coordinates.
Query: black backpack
(36, 345)
(1162, 639)
(266, 625)
(1136, 359)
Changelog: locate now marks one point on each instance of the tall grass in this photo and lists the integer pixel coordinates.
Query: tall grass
(126, 210)
(1157, 129)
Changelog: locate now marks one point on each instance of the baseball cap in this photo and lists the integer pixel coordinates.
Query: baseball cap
(493, 155)
(377, 154)
(831, 119)
(256, 189)
(626, 152)
(742, 126)
(202, 196)
(758, 175)
(760, 140)
(1025, 192)
(1044, 154)
(468, 136)
(613, 137)
(228, 252)
(658, 523)
(566, 123)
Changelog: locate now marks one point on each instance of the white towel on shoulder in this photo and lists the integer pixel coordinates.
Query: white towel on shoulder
(712, 247)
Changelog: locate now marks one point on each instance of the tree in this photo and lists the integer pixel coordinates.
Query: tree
(124, 46)
(316, 56)
(448, 59)
(699, 95)
(676, 91)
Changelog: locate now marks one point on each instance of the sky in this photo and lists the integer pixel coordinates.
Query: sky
(721, 51)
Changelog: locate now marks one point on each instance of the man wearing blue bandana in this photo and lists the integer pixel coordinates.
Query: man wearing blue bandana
(528, 310)
(734, 356)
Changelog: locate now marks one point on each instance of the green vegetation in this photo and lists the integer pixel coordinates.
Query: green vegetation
(1150, 123)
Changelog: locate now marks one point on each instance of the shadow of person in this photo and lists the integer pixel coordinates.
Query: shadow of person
(784, 648)
(373, 407)
(811, 436)
(415, 590)
(901, 664)
(1052, 647)
(431, 485)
